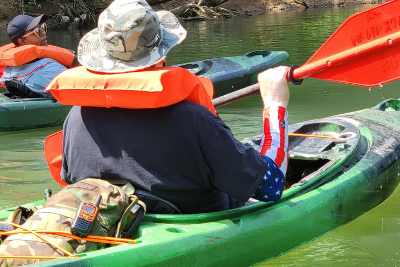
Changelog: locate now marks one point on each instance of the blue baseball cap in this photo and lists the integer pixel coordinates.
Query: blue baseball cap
(22, 23)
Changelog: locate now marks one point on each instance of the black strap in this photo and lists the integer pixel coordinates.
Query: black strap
(291, 69)
(157, 204)
(153, 203)
(19, 90)
(135, 224)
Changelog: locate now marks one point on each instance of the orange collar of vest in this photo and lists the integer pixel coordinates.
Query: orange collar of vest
(11, 55)
(150, 88)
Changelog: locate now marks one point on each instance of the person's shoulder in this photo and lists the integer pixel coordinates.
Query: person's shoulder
(198, 109)
(46, 60)
(47, 65)
(200, 114)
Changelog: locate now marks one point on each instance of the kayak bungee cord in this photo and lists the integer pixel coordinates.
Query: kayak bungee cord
(91, 238)
(37, 257)
(312, 135)
(41, 237)
(339, 137)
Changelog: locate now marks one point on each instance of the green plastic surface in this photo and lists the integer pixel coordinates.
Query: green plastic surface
(356, 178)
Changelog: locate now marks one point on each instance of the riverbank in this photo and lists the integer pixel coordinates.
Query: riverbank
(254, 7)
(248, 7)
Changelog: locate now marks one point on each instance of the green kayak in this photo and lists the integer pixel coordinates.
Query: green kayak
(227, 73)
(30, 113)
(333, 180)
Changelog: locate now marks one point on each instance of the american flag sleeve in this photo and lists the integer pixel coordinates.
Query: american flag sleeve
(274, 146)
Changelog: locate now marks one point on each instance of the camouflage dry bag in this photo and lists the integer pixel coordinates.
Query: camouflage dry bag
(119, 213)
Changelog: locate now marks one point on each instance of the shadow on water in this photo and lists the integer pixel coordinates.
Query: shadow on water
(368, 240)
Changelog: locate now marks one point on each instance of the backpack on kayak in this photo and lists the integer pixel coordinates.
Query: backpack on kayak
(119, 213)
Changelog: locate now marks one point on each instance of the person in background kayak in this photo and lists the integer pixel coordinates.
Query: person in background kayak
(24, 30)
(182, 153)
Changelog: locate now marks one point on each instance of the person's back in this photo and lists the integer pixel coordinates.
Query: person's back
(25, 31)
(177, 153)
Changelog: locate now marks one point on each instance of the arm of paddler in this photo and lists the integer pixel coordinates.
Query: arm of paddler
(274, 144)
(75, 63)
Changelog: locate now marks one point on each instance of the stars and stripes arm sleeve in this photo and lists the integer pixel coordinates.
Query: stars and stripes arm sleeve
(272, 184)
(274, 147)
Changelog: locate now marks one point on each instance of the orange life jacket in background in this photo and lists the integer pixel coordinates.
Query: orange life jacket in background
(11, 55)
(150, 88)
(2, 68)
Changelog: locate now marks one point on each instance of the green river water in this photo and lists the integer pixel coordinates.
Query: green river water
(370, 240)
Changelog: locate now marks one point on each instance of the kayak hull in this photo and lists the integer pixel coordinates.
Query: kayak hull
(21, 114)
(227, 73)
(350, 177)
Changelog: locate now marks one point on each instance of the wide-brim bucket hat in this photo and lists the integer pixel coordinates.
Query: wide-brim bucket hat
(130, 36)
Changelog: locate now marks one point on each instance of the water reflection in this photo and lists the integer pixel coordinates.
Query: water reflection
(23, 170)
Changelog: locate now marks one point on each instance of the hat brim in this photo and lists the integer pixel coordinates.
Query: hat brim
(36, 21)
(92, 56)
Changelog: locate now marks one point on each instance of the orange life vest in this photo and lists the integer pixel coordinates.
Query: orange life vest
(150, 88)
(2, 68)
(12, 55)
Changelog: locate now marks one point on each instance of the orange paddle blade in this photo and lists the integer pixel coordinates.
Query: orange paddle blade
(53, 155)
(364, 50)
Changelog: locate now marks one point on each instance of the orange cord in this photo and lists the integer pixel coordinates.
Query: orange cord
(312, 135)
(92, 238)
(37, 257)
(45, 240)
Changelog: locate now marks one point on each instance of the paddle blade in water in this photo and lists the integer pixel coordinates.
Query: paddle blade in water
(364, 50)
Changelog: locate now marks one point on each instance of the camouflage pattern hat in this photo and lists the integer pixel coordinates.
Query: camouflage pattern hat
(130, 36)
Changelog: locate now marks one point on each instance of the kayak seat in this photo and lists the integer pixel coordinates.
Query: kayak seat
(17, 89)
(198, 68)
(262, 53)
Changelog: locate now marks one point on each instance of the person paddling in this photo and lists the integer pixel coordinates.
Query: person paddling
(180, 153)
(28, 74)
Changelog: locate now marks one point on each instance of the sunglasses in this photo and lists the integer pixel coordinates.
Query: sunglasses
(39, 31)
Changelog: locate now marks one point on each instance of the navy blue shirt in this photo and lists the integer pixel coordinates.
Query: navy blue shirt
(182, 153)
